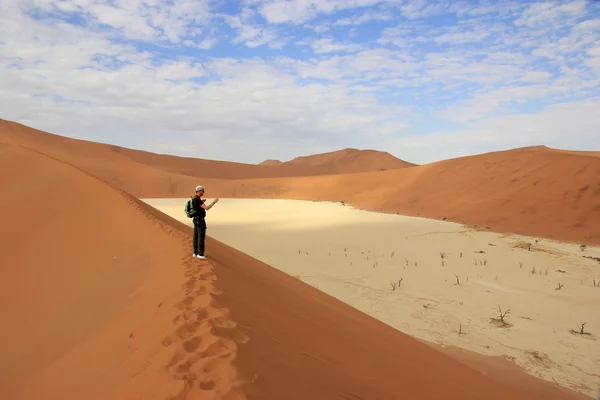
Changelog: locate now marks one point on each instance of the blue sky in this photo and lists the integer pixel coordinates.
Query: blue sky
(257, 79)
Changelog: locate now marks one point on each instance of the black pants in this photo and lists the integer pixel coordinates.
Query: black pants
(199, 235)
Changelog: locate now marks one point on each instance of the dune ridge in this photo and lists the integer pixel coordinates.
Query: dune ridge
(535, 191)
(92, 156)
(346, 161)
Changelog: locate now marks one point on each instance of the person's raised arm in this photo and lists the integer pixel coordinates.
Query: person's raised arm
(208, 207)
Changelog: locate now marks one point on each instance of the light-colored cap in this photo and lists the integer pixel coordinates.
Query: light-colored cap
(199, 188)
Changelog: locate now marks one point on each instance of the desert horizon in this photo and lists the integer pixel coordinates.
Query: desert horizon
(504, 180)
(393, 161)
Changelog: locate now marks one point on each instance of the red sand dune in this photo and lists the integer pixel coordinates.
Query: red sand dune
(270, 162)
(534, 191)
(346, 161)
(101, 300)
(114, 162)
(93, 296)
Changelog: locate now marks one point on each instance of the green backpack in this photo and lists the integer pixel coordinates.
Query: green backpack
(189, 208)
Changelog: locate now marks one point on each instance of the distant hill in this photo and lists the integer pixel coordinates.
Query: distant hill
(349, 160)
(122, 164)
(270, 162)
(533, 190)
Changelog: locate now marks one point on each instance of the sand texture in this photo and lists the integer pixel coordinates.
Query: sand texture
(441, 282)
(99, 299)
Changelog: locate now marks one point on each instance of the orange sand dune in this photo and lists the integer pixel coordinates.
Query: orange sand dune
(93, 297)
(346, 161)
(270, 162)
(533, 191)
(115, 163)
(101, 300)
(578, 152)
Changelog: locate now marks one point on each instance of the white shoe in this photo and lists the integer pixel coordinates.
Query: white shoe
(199, 256)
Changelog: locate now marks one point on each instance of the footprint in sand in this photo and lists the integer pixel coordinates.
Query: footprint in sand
(229, 333)
(185, 331)
(220, 322)
(192, 344)
(208, 384)
(212, 365)
(205, 338)
(221, 348)
(194, 301)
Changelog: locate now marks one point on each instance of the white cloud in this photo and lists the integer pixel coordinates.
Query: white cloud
(414, 9)
(487, 103)
(207, 43)
(566, 126)
(551, 13)
(250, 33)
(133, 25)
(469, 33)
(300, 11)
(97, 80)
(141, 20)
(536, 76)
(252, 102)
(367, 16)
(328, 45)
(482, 8)
(366, 65)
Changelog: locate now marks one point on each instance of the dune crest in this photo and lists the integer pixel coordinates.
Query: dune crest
(348, 160)
(118, 164)
(270, 162)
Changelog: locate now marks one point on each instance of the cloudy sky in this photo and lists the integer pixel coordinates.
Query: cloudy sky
(256, 79)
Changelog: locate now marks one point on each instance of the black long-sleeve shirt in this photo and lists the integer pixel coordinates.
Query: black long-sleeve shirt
(197, 204)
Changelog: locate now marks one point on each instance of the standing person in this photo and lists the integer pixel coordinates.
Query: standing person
(199, 220)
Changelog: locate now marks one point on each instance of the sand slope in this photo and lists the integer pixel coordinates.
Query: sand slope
(93, 296)
(304, 344)
(353, 255)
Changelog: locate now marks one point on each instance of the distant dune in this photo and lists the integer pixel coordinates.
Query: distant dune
(121, 164)
(100, 299)
(532, 191)
(270, 162)
(346, 161)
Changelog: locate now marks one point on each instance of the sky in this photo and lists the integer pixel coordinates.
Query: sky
(252, 80)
